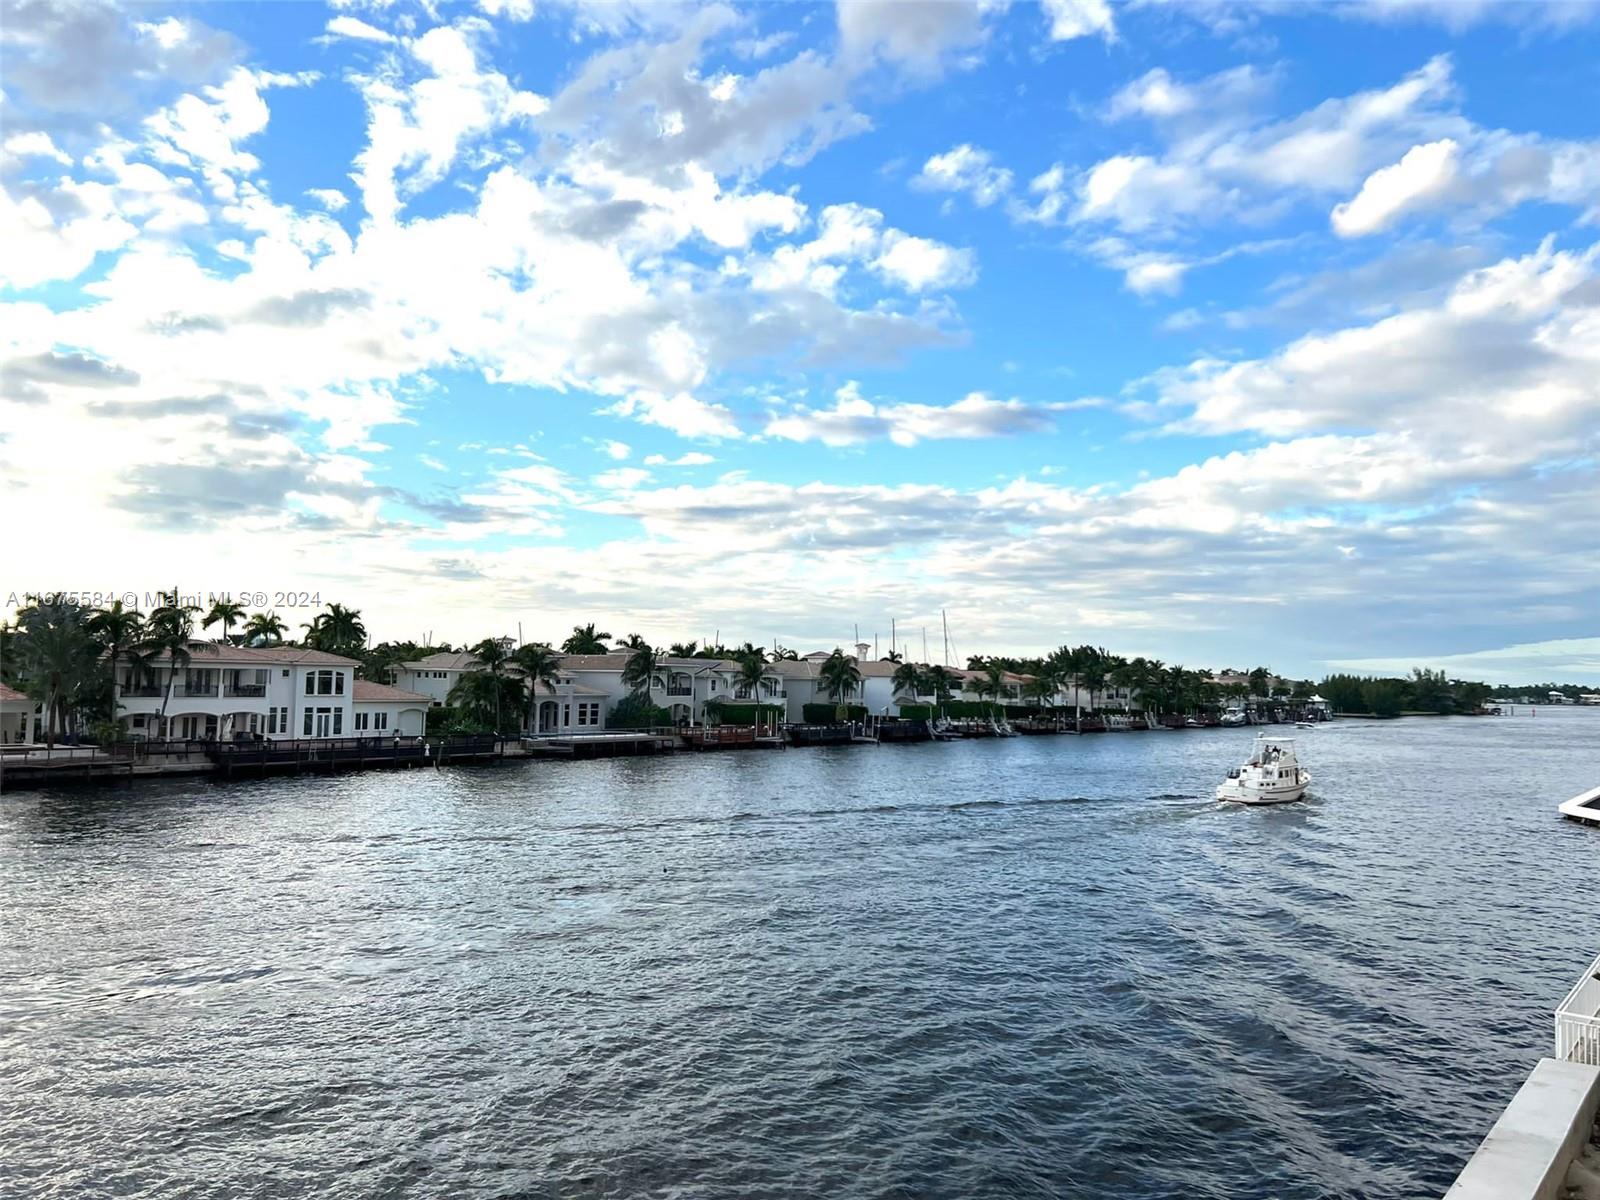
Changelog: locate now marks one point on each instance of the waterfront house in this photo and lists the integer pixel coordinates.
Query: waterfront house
(16, 716)
(383, 711)
(567, 707)
(227, 691)
(434, 675)
(803, 684)
(682, 686)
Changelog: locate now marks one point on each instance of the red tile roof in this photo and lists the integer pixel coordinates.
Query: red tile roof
(368, 692)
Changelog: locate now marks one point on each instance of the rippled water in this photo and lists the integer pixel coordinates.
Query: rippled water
(1045, 966)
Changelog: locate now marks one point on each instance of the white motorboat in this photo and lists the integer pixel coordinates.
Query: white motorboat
(1304, 725)
(1233, 716)
(1272, 776)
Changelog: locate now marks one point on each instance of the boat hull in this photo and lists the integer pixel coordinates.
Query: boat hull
(1232, 793)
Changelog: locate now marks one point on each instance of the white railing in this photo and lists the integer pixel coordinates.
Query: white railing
(1578, 1020)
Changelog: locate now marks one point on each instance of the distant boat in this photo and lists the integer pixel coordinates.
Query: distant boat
(1272, 776)
(1304, 725)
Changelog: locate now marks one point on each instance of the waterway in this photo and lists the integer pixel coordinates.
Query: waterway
(1035, 967)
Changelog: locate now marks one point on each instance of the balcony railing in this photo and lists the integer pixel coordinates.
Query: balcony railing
(198, 689)
(145, 690)
(679, 689)
(245, 689)
(1578, 1020)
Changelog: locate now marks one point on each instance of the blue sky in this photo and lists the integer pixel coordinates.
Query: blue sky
(1226, 333)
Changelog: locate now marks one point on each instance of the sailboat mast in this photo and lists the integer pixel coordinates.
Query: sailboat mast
(945, 621)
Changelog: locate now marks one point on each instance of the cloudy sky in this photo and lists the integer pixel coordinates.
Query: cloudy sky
(1227, 333)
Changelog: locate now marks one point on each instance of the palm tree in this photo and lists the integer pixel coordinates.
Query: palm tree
(994, 679)
(752, 666)
(939, 680)
(908, 678)
(893, 656)
(117, 630)
(337, 631)
(586, 639)
(632, 642)
(266, 627)
(59, 659)
(1260, 681)
(640, 669)
(683, 649)
(839, 676)
(1092, 671)
(168, 632)
(225, 613)
(482, 696)
(492, 658)
(1041, 688)
(539, 665)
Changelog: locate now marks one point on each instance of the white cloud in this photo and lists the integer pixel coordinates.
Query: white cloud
(1509, 348)
(1556, 661)
(692, 459)
(918, 34)
(354, 27)
(854, 419)
(622, 479)
(682, 413)
(330, 198)
(35, 144)
(918, 264)
(512, 10)
(616, 450)
(1424, 173)
(422, 128)
(965, 168)
(1079, 18)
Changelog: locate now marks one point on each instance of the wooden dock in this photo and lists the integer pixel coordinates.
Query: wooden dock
(730, 737)
(34, 771)
(350, 754)
(619, 744)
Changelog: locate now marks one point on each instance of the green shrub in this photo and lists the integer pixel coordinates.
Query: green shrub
(916, 712)
(744, 714)
(829, 714)
(636, 712)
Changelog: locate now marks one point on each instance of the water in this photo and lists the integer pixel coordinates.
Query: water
(1036, 967)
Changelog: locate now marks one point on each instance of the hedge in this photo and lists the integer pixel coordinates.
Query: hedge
(636, 712)
(742, 714)
(828, 714)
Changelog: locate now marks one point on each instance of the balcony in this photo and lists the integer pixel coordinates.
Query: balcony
(255, 690)
(147, 691)
(1578, 1020)
(195, 689)
(680, 689)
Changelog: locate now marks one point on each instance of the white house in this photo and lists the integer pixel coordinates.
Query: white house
(381, 710)
(802, 679)
(436, 674)
(682, 686)
(16, 716)
(227, 691)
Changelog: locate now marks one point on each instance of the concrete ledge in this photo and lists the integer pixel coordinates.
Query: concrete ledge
(1546, 1125)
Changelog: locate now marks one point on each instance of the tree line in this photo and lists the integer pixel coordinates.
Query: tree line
(1424, 691)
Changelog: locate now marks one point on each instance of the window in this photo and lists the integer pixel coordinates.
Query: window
(361, 721)
(324, 683)
(338, 721)
(566, 714)
(589, 712)
(307, 730)
(380, 720)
